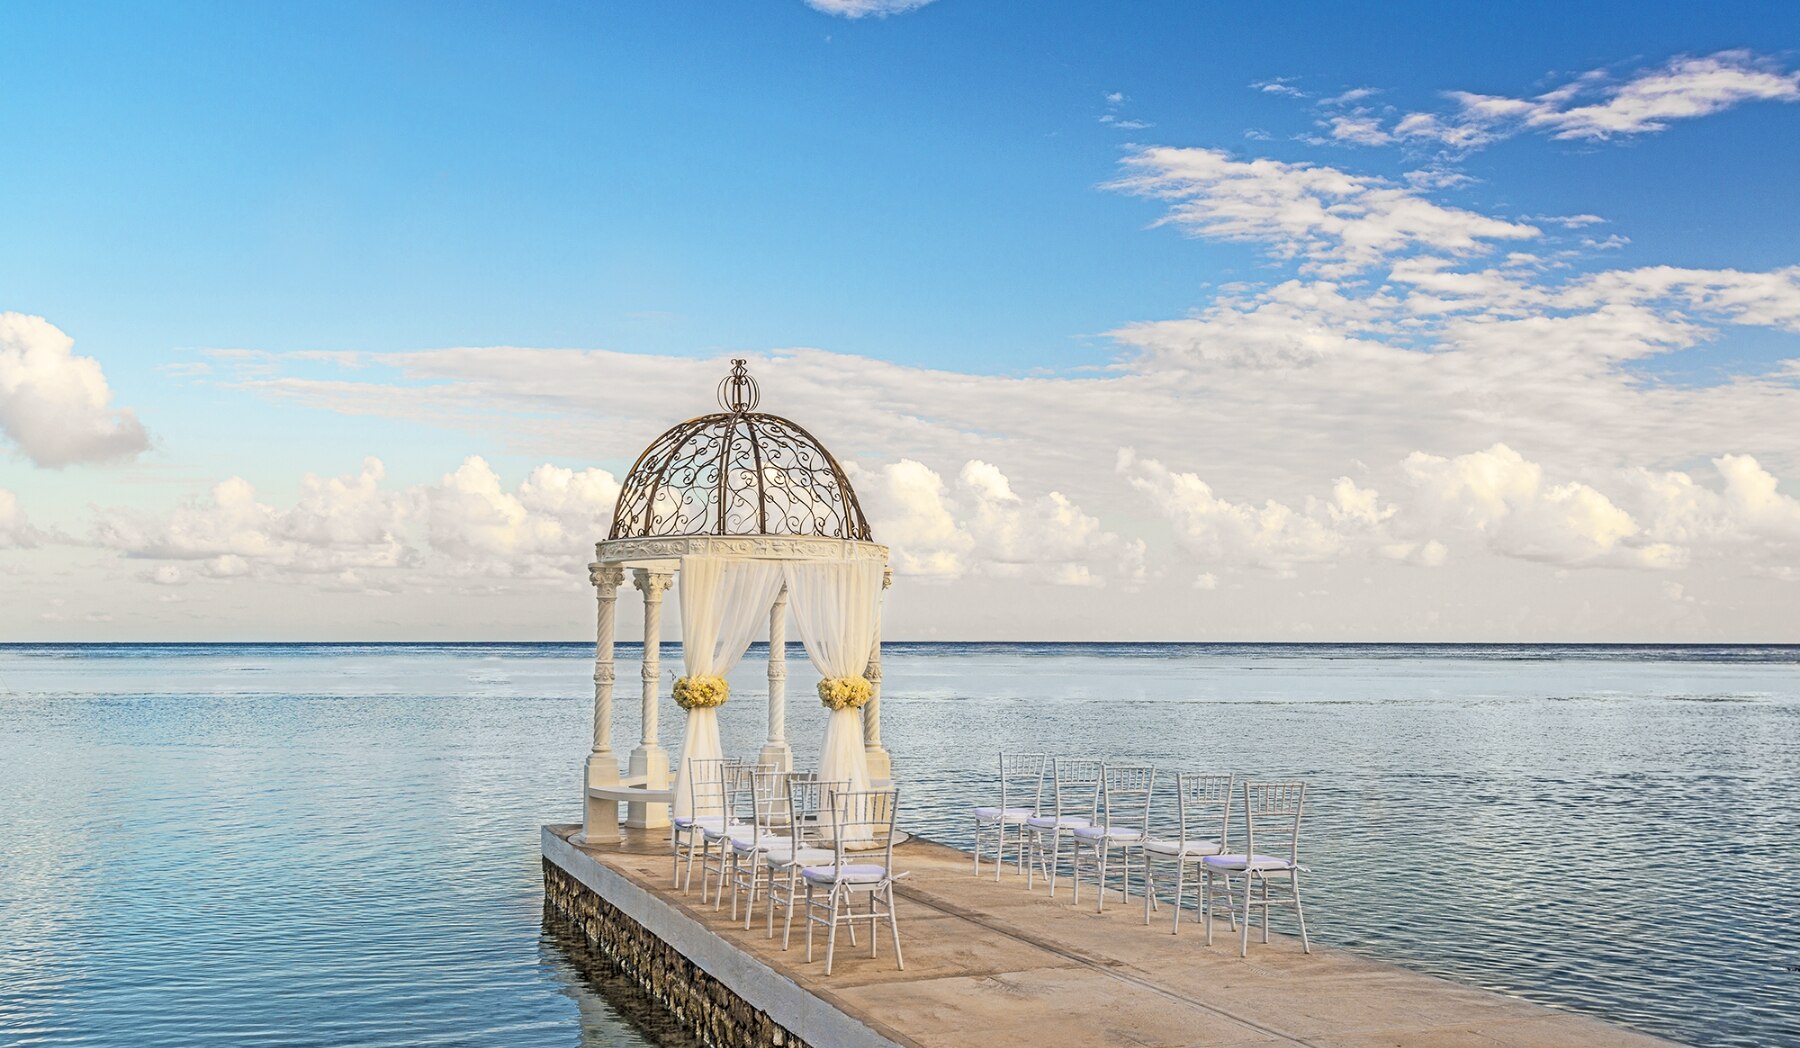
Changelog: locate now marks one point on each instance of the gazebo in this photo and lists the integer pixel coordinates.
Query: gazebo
(745, 514)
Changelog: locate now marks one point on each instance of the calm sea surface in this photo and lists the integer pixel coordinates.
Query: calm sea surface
(338, 844)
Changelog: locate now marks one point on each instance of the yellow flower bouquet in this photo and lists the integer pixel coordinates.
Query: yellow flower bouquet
(845, 693)
(701, 693)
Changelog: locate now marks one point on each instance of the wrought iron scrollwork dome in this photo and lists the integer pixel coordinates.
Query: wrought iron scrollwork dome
(738, 472)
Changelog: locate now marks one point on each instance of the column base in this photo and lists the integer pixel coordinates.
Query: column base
(881, 765)
(600, 818)
(779, 754)
(652, 762)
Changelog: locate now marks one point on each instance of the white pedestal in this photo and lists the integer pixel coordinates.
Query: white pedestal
(652, 762)
(600, 818)
(779, 754)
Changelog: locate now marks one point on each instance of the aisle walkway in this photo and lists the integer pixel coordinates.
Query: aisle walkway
(996, 966)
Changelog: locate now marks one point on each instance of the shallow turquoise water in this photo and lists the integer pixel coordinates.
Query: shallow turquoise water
(338, 844)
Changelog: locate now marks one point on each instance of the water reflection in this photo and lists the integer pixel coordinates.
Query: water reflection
(614, 1012)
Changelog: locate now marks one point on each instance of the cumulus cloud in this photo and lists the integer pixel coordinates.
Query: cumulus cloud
(1500, 496)
(16, 532)
(342, 532)
(1334, 222)
(1220, 532)
(980, 526)
(55, 406)
(866, 8)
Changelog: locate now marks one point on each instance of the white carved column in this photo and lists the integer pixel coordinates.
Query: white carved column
(648, 759)
(881, 765)
(600, 818)
(777, 751)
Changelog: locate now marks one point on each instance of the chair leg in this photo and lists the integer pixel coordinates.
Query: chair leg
(1249, 891)
(1265, 908)
(1101, 851)
(831, 935)
(1149, 886)
(1305, 943)
(893, 926)
(1180, 889)
(787, 924)
(873, 938)
(809, 921)
(978, 848)
(1207, 897)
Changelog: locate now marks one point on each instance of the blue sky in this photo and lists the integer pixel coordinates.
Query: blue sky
(931, 190)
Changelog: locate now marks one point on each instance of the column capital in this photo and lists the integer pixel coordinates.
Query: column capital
(887, 577)
(606, 576)
(651, 583)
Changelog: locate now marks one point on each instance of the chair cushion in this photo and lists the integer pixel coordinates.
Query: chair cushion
(784, 855)
(1240, 862)
(996, 815)
(1067, 822)
(1111, 833)
(748, 842)
(736, 829)
(1192, 850)
(852, 873)
(688, 822)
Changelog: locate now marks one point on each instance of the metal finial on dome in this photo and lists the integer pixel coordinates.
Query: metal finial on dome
(738, 392)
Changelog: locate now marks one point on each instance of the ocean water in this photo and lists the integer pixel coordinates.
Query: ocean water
(337, 844)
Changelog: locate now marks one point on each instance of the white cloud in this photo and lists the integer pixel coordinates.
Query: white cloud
(1223, 533)
(1335, 223)
(1279, 85)
(344, 531)
(1502, 497)
(983, 527)
(1360, 128)
(1596, 107)
(1355, 94)
(16, 532)
(866, 8)
(55, 405)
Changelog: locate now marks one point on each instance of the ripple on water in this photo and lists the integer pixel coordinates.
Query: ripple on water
(338, 845)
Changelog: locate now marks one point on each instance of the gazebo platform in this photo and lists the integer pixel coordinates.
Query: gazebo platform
(993, 965)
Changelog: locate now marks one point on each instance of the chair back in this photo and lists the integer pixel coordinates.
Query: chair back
(1022, 776)
(809, 801)
(768, 797)
(707, 785)
(741, 792)
(1075, 786)
(864, 818)
(1272, 810)
(1125, 796)
(1203, 803)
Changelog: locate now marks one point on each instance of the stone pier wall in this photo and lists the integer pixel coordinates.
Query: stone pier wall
(709, 1009)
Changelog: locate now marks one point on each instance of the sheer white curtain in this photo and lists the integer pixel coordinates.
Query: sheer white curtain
(837, 608)
(722, 603)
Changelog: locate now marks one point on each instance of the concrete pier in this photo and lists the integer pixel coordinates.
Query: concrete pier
(993, 965)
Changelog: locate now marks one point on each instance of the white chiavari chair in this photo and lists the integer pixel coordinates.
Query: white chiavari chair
(1021, 793)
(1122, 828)
(706, 785)
(1075, 801)
(1276, 806)
(832, 889)
(1203, 810)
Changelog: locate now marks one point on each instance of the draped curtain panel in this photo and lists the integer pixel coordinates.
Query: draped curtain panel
(723, 601)
(837, 609)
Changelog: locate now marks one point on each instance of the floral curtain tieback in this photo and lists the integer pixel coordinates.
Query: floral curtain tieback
(701, 693)
(845, 693)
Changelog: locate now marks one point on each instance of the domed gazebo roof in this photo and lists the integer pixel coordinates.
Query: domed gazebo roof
(738, 472)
